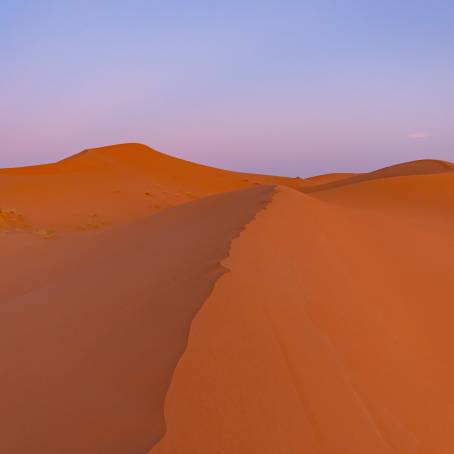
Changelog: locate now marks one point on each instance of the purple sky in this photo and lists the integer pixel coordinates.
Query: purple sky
(284, 87)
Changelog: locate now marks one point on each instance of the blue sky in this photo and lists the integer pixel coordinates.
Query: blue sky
(283, 87)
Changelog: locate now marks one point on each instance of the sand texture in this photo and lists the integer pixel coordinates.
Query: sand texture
(154, 306)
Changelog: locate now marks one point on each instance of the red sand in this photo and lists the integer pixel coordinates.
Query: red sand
(87, 357)
(330, 334)
(104, 186)
(421, 167)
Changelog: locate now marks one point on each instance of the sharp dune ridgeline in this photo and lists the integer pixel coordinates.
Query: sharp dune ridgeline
(150, 305)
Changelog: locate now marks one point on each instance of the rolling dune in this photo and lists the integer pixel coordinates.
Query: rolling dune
(330, 334)
(149, 305)
(326, 178)
(114, 184)
(423, 196)
(87, 358)
(421, 167)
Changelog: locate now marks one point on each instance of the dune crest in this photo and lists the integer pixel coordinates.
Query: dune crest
(87, 359)
(180, 308)
(117, 184)
(307, 344)
(420, 167)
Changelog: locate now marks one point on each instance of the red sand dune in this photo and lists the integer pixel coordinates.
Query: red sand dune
(101, 186)
(421, 167)
(87, 358)
(258, 320)
(326, 178)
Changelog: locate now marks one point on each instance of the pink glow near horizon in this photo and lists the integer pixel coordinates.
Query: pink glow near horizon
(274, 87)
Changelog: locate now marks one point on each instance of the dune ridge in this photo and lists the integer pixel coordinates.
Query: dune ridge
(178, 308)
(421, 197)
(307, 344)
(102, 186)
(87, 359)
(419, 167)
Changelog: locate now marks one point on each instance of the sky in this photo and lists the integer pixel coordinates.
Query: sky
(283, 87)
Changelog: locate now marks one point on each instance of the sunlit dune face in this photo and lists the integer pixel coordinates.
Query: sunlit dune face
(150, 304)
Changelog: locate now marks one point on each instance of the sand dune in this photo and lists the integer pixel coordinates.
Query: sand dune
(104, 186)
(326, 178)
(421, 167)
(429, 196)
(327, 336)
(152, 305)
(87, 359)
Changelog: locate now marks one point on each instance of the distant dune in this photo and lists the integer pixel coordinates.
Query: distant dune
(327, 178)
(150, 305)
(421, 167)
(114, 184)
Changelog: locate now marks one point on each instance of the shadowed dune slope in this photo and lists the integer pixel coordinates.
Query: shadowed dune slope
(331, 334)
(113, 184)
(87, 358)
(420, 167)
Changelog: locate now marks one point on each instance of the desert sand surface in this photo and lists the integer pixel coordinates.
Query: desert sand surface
(108, 185)
(326, 178)
(255, 314)
(420, 167)
(87, 358)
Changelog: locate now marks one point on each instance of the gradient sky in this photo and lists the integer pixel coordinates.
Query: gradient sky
(284, 87)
